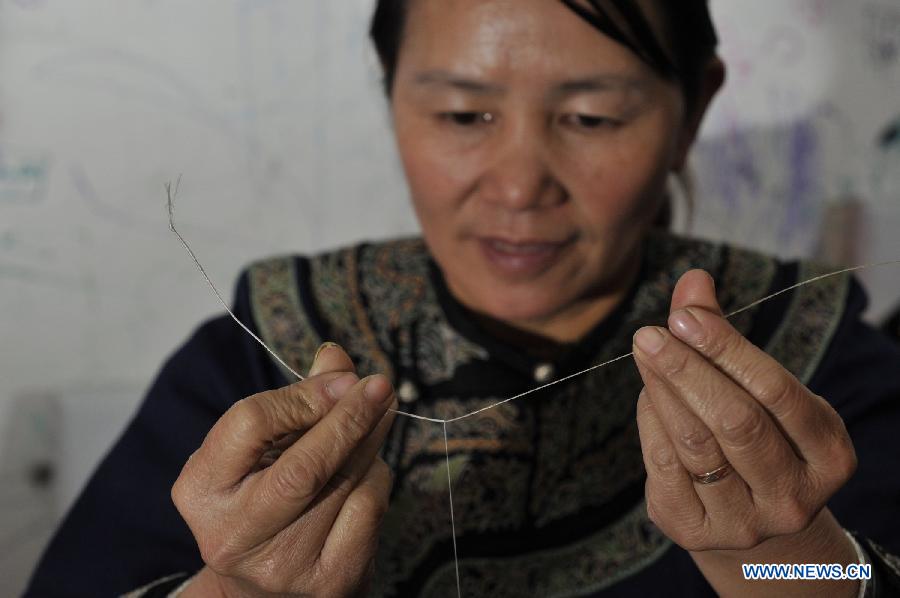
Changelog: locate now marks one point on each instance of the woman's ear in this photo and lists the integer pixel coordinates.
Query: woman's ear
(710, 83)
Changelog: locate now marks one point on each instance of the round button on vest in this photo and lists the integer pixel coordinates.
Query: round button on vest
(407, 392)
(543, 372)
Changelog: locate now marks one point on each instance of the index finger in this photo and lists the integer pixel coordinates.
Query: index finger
(246, 431)
(802, 415)
(295, 480)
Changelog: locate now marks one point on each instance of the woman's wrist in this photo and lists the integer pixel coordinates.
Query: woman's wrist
(824, 541)
(179, 591)
(204, 584)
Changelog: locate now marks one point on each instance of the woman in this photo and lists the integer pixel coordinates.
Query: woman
(537, 138)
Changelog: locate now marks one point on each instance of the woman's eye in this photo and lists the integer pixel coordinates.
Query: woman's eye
(466, 119)
(590, 121)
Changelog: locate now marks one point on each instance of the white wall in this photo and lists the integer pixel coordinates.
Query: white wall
(813, 86)
(272, 111)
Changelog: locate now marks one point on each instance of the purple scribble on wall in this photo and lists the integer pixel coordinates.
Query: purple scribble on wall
(730, 170)
(803, 178)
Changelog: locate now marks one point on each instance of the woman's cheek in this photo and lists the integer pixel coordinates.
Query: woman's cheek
(626, 186)
(608, 200)
(428, 183)
(438, 190)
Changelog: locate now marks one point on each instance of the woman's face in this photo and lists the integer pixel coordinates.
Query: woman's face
(536, 151)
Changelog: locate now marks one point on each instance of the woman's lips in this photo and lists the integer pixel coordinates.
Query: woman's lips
(520, 259)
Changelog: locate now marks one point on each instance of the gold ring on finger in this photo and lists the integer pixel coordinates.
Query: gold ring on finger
(713, 476)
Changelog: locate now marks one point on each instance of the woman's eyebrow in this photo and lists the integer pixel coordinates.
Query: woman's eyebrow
(441, 78)
(590, 84)
(600, 83)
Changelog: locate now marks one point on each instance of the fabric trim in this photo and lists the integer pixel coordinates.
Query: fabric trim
(279, 315)
(606, 558)
(379, 304)
(810, 322)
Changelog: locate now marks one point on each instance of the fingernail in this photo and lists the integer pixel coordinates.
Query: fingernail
(314, 368)
(649, 339)
(377, 388)
(322, 347)
(685, 325)
(338, 387)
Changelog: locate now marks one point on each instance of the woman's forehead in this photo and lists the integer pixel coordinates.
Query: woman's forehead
(494, 38)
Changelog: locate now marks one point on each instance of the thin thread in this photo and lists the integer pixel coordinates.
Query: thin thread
(171, 195)
(452, 518)
(421, 417)
(812, 280)
(549, 384)
(613, 360)
(171, 206)
(170, 202)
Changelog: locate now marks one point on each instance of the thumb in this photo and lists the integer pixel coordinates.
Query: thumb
(330, 357)
(695, 288)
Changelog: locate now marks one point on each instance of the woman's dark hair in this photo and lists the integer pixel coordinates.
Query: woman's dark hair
(690, 33)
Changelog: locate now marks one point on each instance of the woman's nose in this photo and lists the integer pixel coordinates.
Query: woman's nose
(518, 178)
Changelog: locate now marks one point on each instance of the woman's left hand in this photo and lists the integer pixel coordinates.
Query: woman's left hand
(741, 457)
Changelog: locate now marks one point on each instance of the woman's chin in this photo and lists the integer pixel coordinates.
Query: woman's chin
(525, 313)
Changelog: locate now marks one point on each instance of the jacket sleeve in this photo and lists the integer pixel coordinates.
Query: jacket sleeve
(860, 377)
(123, 532)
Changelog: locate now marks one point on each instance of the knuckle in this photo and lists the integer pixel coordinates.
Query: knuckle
(353, 425)
(840, 468)
(294, 406)
(247, 417)
(794, 516)
(698, 441)
(367, 505)
(189, 497)
(721, 344)
(654, 510)
(692, 537)
(301, 397)
(301, 478)
(845, 465)
(743, 426)
(780, 393)
(844, 459)
(675, 363)
(181, 496)
(840, 461)
(218, 555)
(663, 459)
(269, 579)
(745, 537)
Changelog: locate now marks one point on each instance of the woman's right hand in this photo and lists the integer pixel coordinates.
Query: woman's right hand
(286, 494)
